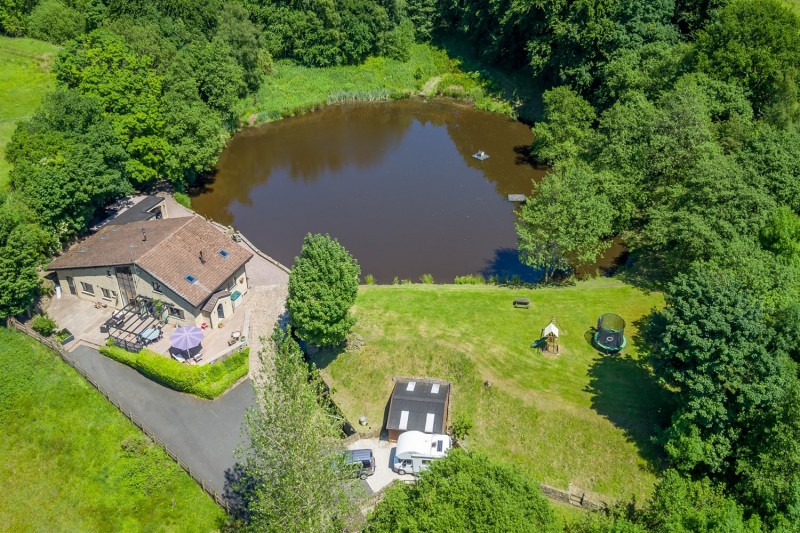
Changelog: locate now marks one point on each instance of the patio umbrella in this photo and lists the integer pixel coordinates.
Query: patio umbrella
(187, 337)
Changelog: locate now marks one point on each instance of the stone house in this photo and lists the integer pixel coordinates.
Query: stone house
(194, 272)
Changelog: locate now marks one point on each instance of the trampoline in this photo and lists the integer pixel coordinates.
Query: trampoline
(610, 333)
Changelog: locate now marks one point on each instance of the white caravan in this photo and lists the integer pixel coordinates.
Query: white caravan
(415, 450)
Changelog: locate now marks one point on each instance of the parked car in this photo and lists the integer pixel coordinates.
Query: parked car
(364, 460)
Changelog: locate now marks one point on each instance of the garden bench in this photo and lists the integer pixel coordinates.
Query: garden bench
(524, 303)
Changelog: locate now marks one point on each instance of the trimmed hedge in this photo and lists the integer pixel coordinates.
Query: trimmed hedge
(206, 381)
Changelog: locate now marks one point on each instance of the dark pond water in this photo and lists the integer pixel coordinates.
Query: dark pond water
(395, 182)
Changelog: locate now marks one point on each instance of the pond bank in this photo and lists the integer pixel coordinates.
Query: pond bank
(293, 89)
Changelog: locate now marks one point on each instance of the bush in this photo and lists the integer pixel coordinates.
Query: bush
(462, 426)
(44, 325)
(55, 22)
(427, 279)
(183, 199)
(369, 279)
(207, 381)
(471, 279)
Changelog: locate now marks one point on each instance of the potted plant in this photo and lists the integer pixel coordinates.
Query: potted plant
(65, 336)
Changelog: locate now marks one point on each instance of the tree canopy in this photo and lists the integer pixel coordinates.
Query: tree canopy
(323, 285)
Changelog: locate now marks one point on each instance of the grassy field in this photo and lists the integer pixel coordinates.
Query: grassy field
(577, 417)
(72, 462)
(292, 89)
(24, 79)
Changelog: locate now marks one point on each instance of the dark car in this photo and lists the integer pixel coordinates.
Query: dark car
(363, 459)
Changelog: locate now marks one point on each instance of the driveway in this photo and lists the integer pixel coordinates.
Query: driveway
(383, 451)
(202, 433)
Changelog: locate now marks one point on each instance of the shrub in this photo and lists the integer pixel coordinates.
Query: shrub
(427, 279)
(395, 281)
(183, 199)
(44, 325)
(471, 279)
(55, 22)
(206, 381)
(462, 425)
(369, 279)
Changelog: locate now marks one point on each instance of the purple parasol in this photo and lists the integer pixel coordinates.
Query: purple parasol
(186, 338)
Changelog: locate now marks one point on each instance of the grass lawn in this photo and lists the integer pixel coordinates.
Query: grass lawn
(24, 79)
(293, 89)
(72, 462)
(578, 417)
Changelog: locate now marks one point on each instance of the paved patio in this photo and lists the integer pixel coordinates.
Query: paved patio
(383, 451)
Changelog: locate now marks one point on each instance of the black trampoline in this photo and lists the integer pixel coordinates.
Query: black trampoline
(610, 335)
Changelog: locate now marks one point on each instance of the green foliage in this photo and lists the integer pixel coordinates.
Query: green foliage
(426, 279)
(678, 505)
(464, 492)
(369, 279)
(294, 477)
(462, 425)
(43, 324)
(781, 235)
(470, 279)
(323, 285)
(754, 43)
(205, 381)
(567, 130)
(183, 199)
(566, 222)
(62, 472)
(56, 22)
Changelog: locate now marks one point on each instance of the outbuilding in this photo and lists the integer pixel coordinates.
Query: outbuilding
(418, 405)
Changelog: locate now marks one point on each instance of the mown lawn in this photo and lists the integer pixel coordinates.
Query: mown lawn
(292, 89)
(72, 462)
(24, 79)
(578, 417)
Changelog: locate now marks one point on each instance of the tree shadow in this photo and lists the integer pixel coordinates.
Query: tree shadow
(505, 265)
(239, 491)
(516, 86)
(322, 357)
(625, 392)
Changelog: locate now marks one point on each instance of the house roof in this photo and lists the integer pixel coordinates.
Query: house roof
(171, 252)
(418, 405)
(138, 212)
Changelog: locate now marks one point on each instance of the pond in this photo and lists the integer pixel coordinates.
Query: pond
(395, 182)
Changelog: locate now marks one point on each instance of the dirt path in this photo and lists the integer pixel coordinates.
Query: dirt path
(430, 86)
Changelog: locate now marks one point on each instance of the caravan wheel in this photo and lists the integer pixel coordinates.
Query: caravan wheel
(401, 472)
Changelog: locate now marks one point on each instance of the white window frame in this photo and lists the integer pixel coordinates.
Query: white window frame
(84, 290)
(175, 312)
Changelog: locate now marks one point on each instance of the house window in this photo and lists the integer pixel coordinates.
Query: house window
(157, 287)
(191, 279)
(108, 272)
(231, 284)
(87, 287)
(107, 294)
(176, 312)
(224, 254)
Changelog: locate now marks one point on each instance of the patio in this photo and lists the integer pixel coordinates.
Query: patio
(85, 321)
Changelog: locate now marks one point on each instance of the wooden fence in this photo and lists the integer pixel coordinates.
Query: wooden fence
(50, 343)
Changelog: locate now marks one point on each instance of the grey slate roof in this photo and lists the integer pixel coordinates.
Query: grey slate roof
(138, 212)
(419, 403)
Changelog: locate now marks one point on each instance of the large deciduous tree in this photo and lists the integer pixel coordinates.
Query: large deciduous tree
(465, 492)
(294, 477)
(566, 222)
(323, 286)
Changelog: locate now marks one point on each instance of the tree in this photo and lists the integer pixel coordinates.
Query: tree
(753, 43)
(294, 476)
(567, 131)
(781, 235)
(26, 248)
(711, 344)
(465, 492)
(566, 221)
(323, 286)
(55, 21)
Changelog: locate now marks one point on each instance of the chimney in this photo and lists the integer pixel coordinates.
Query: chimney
(144, 235)
(202, 258)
